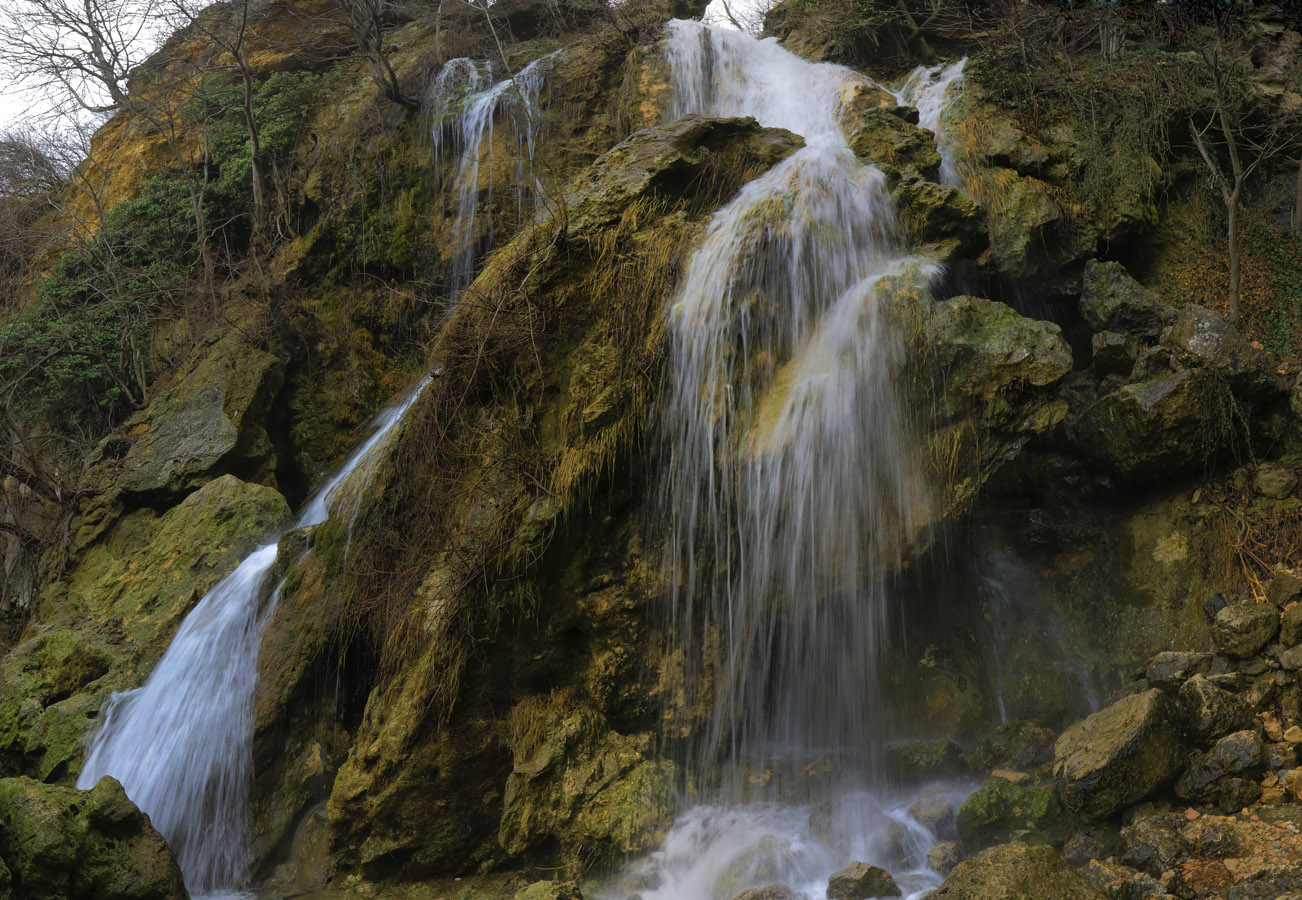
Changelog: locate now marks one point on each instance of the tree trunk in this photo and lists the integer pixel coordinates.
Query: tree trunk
(1297, 200)
(1232, 235)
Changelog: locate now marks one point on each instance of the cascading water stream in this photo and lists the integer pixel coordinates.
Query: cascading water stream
(181, 744)
(463, 107)
(929, 90)
(794, 489)
(792, 463)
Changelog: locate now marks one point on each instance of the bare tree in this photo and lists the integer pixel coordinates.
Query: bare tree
(86, 48)
(1234, 141)
(368, 19)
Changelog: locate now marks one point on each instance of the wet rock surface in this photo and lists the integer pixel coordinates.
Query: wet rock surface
(1017, 872)
(860, 881)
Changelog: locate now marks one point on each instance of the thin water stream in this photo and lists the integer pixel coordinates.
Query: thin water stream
(181, 744)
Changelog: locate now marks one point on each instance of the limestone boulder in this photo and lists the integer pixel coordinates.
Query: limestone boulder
(1172, 668)
(1242, 629)
(1153, 844)
(65, 844)
(212, 420)
(1118, 755)
(773, 891)
(1290, 626)
(1017, 872)
(1156, 427)
(860, 881)
(1203, 338)
(1220, 775)
(1112, 301)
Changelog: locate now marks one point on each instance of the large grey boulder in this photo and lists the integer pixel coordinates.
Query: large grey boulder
(1211, 712)
(1244, 628)
(1113, 301)
(1017, 872)
(1204, 339)
(1118, 755)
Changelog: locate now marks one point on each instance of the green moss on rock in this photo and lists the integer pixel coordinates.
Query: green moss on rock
(65, 844)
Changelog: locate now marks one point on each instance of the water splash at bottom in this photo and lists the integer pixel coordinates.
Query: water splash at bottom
(716, 852)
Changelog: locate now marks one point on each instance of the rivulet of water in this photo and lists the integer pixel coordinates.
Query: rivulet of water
(181, 744)
(464, 106)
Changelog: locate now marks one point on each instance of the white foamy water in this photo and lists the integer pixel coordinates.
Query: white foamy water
(464, 107)
(181, 744)
(793, 491)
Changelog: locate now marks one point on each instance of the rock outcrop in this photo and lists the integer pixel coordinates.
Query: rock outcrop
(64, 844)
(1017, 872)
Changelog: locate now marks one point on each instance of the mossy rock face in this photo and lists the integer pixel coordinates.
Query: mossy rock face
(105, 628)
(1043, 221)
(1111, 300)
(65, 844)
(886, 136)
(990, 374)
(1000, 812)
(425, 787)
(665, 158)
(987, 351)
(211, 420)
(582, 785)
(940, 222)
(1017, 872)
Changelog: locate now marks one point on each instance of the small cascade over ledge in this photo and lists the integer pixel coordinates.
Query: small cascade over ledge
(464, 106)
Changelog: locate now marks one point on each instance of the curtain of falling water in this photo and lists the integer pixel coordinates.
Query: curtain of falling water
(463, 108)
(792, 470)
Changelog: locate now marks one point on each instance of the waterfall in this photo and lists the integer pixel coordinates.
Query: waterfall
(464, 104)
(794, 487)
(181, 744)
(792, 465)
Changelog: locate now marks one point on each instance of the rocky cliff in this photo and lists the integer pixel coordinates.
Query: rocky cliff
(470, 668)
